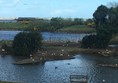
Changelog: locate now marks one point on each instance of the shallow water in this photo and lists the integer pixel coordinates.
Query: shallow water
(47, 73)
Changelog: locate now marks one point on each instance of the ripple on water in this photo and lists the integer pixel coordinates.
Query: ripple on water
(47, 73)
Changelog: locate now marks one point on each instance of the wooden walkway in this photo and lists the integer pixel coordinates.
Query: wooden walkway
(109, 65)
(78, 79)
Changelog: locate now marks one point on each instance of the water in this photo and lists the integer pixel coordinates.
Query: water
(46, 73)
(47, 36)
(62, 36)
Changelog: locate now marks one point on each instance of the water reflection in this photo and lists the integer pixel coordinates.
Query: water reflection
(58, 71)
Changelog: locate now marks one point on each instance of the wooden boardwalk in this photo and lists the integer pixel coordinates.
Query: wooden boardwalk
(78, 79)
(109, 65)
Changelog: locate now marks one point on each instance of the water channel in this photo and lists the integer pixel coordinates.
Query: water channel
(46, 73)
(47, 36)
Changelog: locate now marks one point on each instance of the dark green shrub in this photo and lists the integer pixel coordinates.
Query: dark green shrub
(89, 41)
(95, 41)
(26, 43)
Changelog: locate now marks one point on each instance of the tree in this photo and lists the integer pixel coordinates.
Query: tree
(112, 4)
(26, 43)
(106, 20)
(78, 21)
(95, 41)
(90, 22)
(100, 15)
(56, 23)
(113, 16)
(89, 41)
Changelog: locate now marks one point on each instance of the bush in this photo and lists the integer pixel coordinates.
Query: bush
(95, 41)
(26, 43)
(89, 41)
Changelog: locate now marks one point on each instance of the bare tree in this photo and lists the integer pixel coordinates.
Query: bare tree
(112, 4)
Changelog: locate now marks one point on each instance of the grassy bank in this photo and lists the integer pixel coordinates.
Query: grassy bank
(30, 26)
(77, 29)
(12, 26)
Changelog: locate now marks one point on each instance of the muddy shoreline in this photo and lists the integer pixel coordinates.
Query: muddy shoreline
(59, 51)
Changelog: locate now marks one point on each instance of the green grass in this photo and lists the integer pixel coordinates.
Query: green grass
(22, 26)
(12, 26)
(77, 29)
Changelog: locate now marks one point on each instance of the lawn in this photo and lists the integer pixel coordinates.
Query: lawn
(77, 29)
(12, 26)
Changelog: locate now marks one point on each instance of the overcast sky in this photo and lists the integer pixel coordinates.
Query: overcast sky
(50, 8)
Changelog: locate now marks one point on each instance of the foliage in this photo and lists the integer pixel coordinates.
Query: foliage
(90, 23)
(78, 21)
(100, 15)
(95, 41)
(106, 20)
(58, 23)
(89, 41)
(26, 43)
(38, 24)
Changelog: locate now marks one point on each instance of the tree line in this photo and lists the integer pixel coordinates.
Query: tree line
(54, 23)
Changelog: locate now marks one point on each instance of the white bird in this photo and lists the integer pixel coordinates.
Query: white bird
(33, 60)
(3, 49)
(30, 55)
(61, 54)
(103, 80)
(62, 50)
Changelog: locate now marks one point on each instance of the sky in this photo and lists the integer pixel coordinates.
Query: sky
(50, 8)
